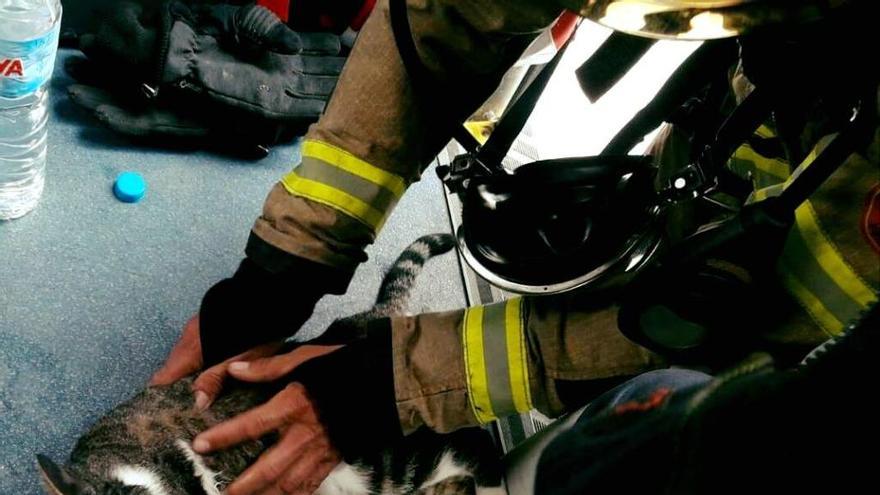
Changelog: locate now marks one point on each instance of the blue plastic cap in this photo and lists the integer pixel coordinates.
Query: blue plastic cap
(130, 187)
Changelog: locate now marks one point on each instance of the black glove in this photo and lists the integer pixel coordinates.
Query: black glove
(205, 74)
(268, 299)
(353, 389)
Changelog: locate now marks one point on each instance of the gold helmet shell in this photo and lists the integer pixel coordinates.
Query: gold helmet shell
(703, 19)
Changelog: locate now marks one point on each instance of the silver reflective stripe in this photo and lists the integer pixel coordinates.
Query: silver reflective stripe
(376, 196)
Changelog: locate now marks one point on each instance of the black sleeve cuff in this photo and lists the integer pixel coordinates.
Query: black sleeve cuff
(353, 389)
(275, 261)
(268, 299)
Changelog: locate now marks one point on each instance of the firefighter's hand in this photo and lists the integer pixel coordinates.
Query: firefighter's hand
(208, 385)
(304, 454)
(185, 357)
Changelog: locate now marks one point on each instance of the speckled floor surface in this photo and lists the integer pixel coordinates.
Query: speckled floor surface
(93, 292)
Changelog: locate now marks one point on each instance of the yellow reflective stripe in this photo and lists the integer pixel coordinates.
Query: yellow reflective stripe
(812, 304)
(821, 247)
(334, 177)
(764, 193)
(818, 286)
(516, 355)
(765, 132)
(475, 365)
(354, 165)
(770, 166)
(830, 259)
(334, 198)
(800, 264)
(766, 166)
(480, 129)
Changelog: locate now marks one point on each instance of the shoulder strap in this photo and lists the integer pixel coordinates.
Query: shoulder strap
(514, 119)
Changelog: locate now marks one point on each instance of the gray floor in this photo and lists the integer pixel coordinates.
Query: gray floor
(93, 292)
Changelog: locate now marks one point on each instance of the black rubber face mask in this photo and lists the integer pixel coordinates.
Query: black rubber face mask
(554, 226)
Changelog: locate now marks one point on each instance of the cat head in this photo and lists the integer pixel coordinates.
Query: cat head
(58, 481)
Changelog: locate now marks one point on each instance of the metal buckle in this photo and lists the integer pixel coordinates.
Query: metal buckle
(457, 174)
(692, 181)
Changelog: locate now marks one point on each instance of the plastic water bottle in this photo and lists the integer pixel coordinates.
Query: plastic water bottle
(28, 43)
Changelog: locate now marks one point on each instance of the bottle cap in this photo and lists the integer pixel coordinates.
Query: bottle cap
(130, 187)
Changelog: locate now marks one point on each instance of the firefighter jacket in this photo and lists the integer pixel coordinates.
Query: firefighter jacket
(465, 367)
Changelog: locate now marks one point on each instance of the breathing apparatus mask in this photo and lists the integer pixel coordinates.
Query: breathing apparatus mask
(599, 223)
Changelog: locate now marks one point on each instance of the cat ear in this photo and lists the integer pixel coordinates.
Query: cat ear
(55, 479)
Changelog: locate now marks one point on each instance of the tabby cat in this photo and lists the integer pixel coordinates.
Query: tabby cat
(142, 447)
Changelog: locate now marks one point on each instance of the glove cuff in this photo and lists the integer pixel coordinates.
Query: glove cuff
(259, 305)
(353, 389)
(257, 28)
(327, 279)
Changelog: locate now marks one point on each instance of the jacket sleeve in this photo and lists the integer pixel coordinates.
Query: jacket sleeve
(469, 367)
(376, 136)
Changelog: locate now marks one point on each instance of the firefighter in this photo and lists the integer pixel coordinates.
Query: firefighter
(449, 370)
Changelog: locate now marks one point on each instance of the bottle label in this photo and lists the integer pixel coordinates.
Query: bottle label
(27, 65)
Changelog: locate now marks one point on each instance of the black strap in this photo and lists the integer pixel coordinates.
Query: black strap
(516, 116)
(697, 71)
(420, 78)
(610, 62)
(857, 134)
(513, 120)
(708, 172)
(754, 110)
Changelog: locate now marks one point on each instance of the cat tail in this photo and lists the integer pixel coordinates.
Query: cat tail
(395, 291)
(396, 288)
